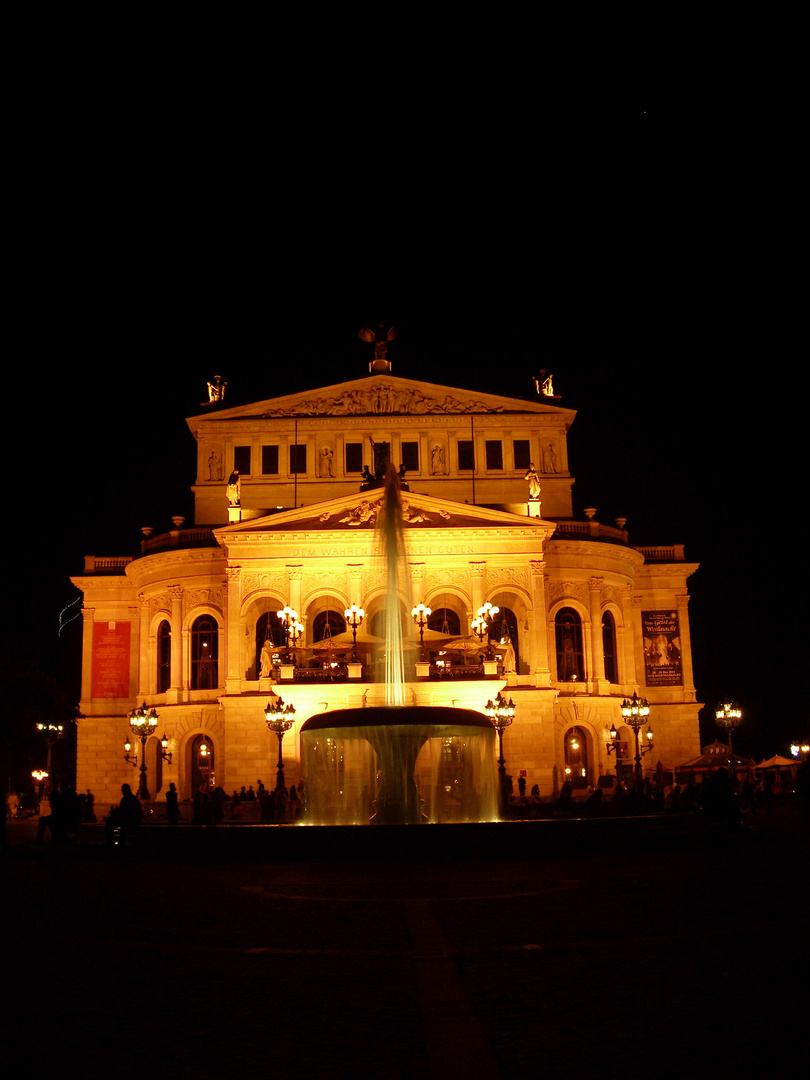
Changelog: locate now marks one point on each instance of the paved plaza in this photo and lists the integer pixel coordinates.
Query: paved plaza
(671, 954)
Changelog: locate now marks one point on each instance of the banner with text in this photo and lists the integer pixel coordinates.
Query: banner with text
(110, 671)
(662, 648)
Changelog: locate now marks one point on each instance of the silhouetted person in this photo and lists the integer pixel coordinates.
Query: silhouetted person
(126, 819)
(172, 805)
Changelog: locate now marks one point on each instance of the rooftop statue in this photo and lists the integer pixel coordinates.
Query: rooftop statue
(216, 390)
(379, 338)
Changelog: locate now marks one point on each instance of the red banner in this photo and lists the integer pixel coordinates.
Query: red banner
(110, 671)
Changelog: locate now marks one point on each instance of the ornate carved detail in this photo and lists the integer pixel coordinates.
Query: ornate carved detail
(561, 590)
(275, 581)
(516, 576)
(380, 399)
(365, 514)
(459, 577)
(204, 598)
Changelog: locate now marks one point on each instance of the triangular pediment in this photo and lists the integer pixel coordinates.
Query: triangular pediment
(359, 513)
(382, 395)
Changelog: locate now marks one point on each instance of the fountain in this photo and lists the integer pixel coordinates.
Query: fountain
(398, 764)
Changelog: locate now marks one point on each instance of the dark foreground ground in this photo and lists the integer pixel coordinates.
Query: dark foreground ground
(550, 949)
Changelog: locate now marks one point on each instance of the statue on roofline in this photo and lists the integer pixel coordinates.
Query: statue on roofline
(379, 338)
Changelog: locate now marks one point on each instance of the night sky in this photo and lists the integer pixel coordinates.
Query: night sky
(610, 197)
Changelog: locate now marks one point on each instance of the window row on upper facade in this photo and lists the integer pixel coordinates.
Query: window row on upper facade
(295, 458)
(570, 654)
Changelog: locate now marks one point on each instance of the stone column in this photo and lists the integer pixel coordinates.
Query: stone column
(295, 573)
(176, 679)
(147, 683)
(417, 572)
(539, 660)
(354, 584)
(625, 646)
(88, 618)
(478, 571)
(597, 652)
(686, 647)
(234, 635)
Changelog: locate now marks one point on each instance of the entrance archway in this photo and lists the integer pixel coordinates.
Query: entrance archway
(203, 779)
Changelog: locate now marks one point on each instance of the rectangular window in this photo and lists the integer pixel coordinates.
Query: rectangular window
(466, 454)
(298, 458)
(494, 451)
(270, 460)
(354, 457)
(410, 456)
(522, 453)
(241, 460)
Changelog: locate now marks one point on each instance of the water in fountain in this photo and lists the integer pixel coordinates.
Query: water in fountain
(398, 764)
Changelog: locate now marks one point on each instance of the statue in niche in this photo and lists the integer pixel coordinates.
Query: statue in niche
(534, 483)
(325, 467)
(437, 465)
(549, 459)
(266, 659)
(215, 465)
(234, 489)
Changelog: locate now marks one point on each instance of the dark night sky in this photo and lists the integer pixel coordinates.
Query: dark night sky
(610, 197)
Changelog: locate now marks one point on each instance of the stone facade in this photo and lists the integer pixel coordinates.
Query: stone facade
(591, 619)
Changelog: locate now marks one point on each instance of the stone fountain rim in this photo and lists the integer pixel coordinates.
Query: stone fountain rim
(397, 716)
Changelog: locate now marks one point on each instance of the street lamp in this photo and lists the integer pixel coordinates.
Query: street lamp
(501, 712)
(421, 614)
(289, 618)
(615, 746)
(280, 718)
(634, 713)
(143, 723)
(800, 750)
(354, 615)
(480, 624)
(728, 716)
(52, 732)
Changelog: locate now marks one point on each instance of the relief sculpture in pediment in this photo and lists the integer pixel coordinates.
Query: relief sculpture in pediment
(380, 400)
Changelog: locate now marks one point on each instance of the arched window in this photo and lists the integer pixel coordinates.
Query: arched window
(164, 657)
(203, 779)
(576, 756)
(204, 653)
(568, 636)
(327, 624)
(609, 647)
(445, 621)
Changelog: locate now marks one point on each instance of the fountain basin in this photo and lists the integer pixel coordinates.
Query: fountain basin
(399, 765)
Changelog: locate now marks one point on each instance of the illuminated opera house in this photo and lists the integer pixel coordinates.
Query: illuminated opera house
(276, 590)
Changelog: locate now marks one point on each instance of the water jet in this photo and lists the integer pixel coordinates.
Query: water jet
(398, 764)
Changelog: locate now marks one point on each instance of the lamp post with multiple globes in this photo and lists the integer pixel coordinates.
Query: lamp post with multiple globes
(421, 614)
(635, 712)
(482, 621)
(280, 718)
(52, 732)
(143, 723)
(354, 616)
(501, 712)
(728, 716)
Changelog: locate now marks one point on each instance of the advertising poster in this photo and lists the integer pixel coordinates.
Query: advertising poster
(662, 648)
(110, 671)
